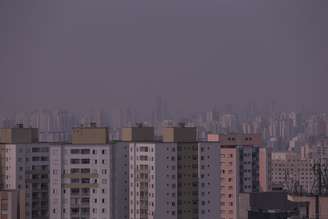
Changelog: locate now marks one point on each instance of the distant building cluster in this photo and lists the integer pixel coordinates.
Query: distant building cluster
(60, 165)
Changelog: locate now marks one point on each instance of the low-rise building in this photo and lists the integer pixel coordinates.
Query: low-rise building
(273, 205)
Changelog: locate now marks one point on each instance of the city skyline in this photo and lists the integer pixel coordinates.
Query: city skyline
(172, 109)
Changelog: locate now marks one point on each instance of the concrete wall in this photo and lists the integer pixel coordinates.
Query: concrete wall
(19, 135)
(244, 205)
(5, 135)
(90, 136)
(180, 134)
(137, 134)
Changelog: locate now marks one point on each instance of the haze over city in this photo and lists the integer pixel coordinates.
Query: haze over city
(169, 109)
(82, 55)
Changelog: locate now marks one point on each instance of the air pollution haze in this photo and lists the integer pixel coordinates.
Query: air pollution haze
(108, 53)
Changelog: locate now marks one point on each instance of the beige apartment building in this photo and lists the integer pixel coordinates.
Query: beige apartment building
(245, 168)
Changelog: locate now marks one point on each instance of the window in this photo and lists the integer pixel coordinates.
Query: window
(85, 151)
(144, 149)
(34, 150)
(85, 180)
(75, 151)
(75, 161)
(85, 170)
(75, 170)
(85, 161)
(35, 158)
(75, 180)
(44, 159)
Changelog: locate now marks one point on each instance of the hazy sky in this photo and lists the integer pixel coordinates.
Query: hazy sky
(195, 53)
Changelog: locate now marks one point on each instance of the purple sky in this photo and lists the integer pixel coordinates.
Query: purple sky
(195, 53)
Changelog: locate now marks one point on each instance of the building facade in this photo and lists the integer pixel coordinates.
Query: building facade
(295, 173)
(81, 176)
(12, 204)
(244, 169)
(25, 167)
(80, 186)
(175, 178)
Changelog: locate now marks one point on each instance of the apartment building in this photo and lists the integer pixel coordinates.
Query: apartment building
(317, 149)
(244, 168)
(294, 172)
(12, 204)
(121, 166)
(81, 176)
(25, 167)
(177, 177)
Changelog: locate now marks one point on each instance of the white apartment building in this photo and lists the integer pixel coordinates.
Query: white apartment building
(80, 182)
(89, 178)
(81, 176)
